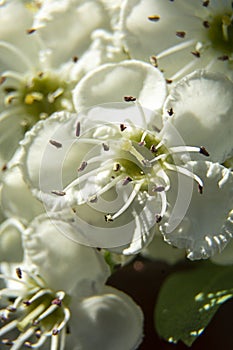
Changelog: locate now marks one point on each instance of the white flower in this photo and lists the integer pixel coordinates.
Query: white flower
(60, 298)
(180, 35)
(39, 66)
(122, 167)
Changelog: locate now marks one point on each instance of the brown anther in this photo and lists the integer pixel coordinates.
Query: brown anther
(127, 180)
(31, 31)
(27, 302)
(180, 34)
(7, 342)
(122, 127)
(98, 249)
(206, 24)
(75, 59)
(153, 61)
(168, 81)
(82, 166)
(11, 308)
(28, 344)
(153, 149)
(141, 143)
(129, 98)
(223, 58)
(154, 18)
(170, 112)
(59, 193)
(56, 301)
(18, 272)
(196, 54)
(116, 167)
(4, 167)
(78, 129)
(40, 75)
(105, 147)
(200, 189)
(74, 210)
(158, 189)
(38, 333)
(108, 218)
(204, 151)
(158, 218)
(55, 143)
(2, 79)
(55, 331)
(206, 3)
(93, 199)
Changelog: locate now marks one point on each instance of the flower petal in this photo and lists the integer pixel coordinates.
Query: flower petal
(11, 249)
(70, 264)
(113, 320)
(112, 82)
(202, 112)
(55, 18)
(207, 226)
(16, 198)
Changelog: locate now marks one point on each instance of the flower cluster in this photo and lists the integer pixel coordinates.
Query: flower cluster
(115, 140)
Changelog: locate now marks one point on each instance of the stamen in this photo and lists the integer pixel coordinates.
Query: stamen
(180, 34)
(154, 18)
(175, 48)
(55, 143)
(64, 321)
(126, 181)
(129, 201)
(82, 166)
(8, 327)
(105, 147)
(226, 22)
(46, 313)
(33, 97)
(182, 71)
(185, 172)
(63, 339)
(52, 96)
(13, 75)
(82, 178)
(59, 193)
(78, 129)
(36, 296)
(54, 343)
(18, 272)
(122, 127)
(22, 338)
(181, 149)
(106, 188)
(13, 49)
(38, 344)
(129, 98)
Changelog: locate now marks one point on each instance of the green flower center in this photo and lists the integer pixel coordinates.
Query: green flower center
(220, 33)
(39, 97)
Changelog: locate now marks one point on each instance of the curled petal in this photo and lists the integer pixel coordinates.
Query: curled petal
(112, 82)
(113, 320)
(206, 226)
(74, 265)
(202, 112)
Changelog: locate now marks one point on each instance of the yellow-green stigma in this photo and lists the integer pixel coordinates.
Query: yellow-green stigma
(220, 32)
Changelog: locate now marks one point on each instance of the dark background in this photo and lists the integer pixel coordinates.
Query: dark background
(142, 280)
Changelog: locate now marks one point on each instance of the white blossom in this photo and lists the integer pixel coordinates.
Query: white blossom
(180, 36)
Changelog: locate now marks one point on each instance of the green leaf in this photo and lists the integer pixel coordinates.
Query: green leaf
(189, 299)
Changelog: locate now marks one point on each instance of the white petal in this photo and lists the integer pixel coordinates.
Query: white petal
(111, 82)
(207, 226)
(62, 262)
(11, 249)
(202, 107)
(55, 18)
(144, 38)
(226, 256)
(110, 320)
(48, 168)
(16, 198)
(159, 250)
